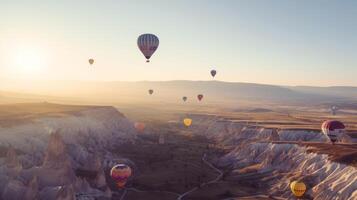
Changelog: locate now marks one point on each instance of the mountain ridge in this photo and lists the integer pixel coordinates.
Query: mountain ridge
(171, 91)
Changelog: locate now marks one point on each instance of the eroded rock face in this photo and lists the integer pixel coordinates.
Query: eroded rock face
(56, 157)
(58, 193)
(232, 133)
(11, 160)
(12, 165)
(56, 169)
(14, 190)
(302, 135)
(93, 128)
(255, 160)
(53, 148)
(276, 165)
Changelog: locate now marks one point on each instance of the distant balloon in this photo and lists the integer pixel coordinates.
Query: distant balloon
(298, 188)
(91, 61)
(333, 129)
(120, 174)
(148, 43)
(139, 126)
(213, 73)
(151, 91)
(334, 110)
(200, 97)
(184, 98)
(187, 122)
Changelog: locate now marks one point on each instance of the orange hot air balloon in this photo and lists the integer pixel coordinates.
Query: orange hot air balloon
(139, 126)
(91, 61)
(120, 173)
(200, 97)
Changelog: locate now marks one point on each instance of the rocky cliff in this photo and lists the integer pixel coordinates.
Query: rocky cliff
(45, 155)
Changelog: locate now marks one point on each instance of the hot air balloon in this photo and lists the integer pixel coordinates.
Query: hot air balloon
(298, 188)
(334, 110)
(151, 91)
(333, 129)
(148, 43)
(213, 73)
(184, 98)
(187, 122)
(139, 126)
(200, 97)
(120, 174)
(91, 61)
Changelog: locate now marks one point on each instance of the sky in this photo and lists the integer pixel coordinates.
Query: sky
(272, 42)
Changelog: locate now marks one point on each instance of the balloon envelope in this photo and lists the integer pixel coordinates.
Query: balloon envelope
(334, 110)
(91, 61)
(120, 174)
(139, 126)
(151, 91)
(148, 43)
(200, 97)
(298, 188)
(187, 122)
(213, 72)
(333, 129)
(184, 98)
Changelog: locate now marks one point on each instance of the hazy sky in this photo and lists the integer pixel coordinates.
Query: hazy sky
(277, 42)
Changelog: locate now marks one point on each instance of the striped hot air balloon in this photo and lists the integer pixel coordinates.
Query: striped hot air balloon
(120, 174)
(298, 188)
(148, 43)
(333, 129)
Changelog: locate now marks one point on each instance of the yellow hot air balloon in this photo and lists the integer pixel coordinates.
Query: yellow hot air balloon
(298, 188)
(187, 122)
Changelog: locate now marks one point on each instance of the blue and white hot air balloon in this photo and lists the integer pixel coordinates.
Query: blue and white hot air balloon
(148, 43)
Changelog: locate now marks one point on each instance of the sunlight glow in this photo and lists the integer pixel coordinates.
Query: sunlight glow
(29, 59)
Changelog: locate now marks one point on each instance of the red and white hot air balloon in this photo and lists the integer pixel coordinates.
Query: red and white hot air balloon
(148, 43)
(200, 97)
(333, 129)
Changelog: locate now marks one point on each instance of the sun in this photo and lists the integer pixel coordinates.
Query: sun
(29, 59)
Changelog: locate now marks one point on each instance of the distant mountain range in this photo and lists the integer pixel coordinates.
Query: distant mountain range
(173, 91)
